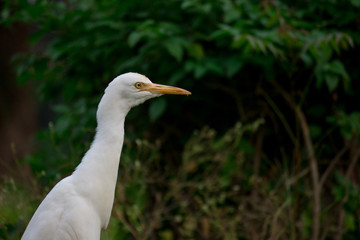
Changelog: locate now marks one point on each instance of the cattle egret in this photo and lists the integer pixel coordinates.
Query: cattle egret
(80, 204)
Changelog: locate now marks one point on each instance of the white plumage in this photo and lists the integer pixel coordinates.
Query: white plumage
(80, 204)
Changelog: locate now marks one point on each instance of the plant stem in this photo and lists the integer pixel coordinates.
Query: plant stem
(312, 160)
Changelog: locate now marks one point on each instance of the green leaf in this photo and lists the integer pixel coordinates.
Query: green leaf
(350, 222)
(62, 125)
(338, 193)
(196, 50)
(306, 58)
(228, 170)
(339, 68)
(348, 123)
(356, 3)
(232, 66)
(174, 48)
(157, 108)
(61, 108)
(315, 131)
(200, 71)
(166, 235)
(332, 82)
(134, 38)
(176, 77)
(354, 122)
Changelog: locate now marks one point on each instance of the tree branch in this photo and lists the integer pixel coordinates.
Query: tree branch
(312, 160)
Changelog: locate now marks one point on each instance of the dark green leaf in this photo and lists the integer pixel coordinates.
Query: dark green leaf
(332, 82)
(157, 108)
(134, 38)
(174, 48)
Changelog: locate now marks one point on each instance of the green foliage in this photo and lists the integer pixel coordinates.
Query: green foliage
(202, 196)
(241, 60)
(17, 204)
(349, 124)
(350, 193)
(346, 188)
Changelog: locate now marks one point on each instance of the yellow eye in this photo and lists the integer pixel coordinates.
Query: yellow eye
(138, 85)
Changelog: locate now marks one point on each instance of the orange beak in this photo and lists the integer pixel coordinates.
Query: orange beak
(163, 89)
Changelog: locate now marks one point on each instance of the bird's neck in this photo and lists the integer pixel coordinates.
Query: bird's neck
(98, 169)
(104, 154)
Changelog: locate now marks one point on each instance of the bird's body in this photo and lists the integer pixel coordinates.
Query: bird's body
(80, 204)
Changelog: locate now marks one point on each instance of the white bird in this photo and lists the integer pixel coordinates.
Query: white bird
(80, 204)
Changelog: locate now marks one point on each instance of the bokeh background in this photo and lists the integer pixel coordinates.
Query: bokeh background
(266, 147)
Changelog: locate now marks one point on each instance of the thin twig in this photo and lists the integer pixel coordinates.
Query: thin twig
(354, 157)
(295, 179)
(312, 160)
(332, 165)
(258, 151)
(121, 216)
(156, 215)
(280, 116)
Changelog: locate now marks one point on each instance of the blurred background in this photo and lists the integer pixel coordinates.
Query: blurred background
(266, 147)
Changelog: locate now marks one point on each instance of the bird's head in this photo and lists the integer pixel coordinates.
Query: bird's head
(131, 89)
(135, 88)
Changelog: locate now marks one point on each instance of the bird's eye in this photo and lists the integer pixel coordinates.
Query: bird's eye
(138, 85)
